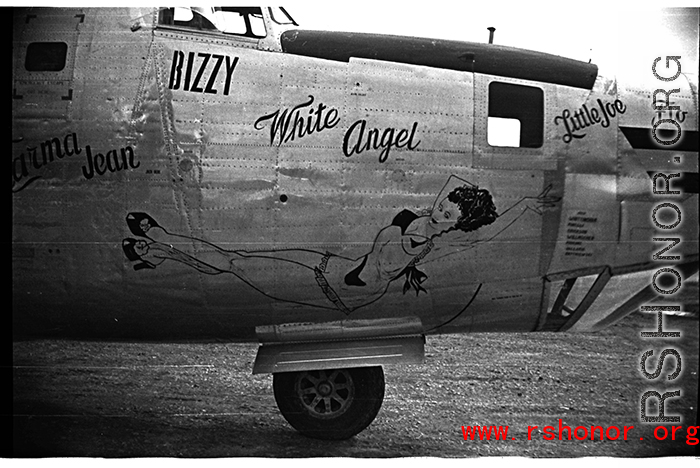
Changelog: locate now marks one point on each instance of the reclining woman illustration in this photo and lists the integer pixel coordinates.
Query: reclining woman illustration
(338, 282)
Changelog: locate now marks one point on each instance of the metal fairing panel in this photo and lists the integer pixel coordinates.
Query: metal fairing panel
(452, 55)
(186, 185)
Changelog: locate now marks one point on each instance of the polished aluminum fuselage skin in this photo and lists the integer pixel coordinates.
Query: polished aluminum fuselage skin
(264, 170)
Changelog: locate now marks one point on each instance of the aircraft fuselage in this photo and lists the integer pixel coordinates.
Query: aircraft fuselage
(170, 181)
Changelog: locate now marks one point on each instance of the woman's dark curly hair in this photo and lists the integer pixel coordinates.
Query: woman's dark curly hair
(476, 206)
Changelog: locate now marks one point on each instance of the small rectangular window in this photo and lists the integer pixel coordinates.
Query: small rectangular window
(46, 56)
(516, 116)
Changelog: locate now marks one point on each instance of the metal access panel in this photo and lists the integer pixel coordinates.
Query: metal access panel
(293, 357)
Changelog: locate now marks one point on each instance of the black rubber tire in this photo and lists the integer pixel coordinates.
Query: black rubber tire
(333, 404)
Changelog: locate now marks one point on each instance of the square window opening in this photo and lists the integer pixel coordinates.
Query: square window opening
(46, 56)
(516, 116)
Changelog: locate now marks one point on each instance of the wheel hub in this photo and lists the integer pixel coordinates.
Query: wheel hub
(325, 394)
(325, 388)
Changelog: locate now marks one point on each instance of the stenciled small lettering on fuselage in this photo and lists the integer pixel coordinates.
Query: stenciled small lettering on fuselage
(585, 117)
(199, 72)
(298, 121)
(358, 139)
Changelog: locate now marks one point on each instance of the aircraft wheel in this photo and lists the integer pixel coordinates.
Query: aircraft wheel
(333, 404)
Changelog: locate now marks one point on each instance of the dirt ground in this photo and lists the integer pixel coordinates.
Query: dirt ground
(90, 399)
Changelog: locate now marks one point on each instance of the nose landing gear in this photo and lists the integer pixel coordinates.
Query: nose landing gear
(332, 404)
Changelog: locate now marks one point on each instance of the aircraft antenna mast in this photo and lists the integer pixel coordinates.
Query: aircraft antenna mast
(491, 31)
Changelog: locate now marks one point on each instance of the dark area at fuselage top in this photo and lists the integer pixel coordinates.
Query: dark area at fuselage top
(437, 53)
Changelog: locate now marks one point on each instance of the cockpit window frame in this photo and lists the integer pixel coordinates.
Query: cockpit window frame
(249, 35)
(282, 23)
